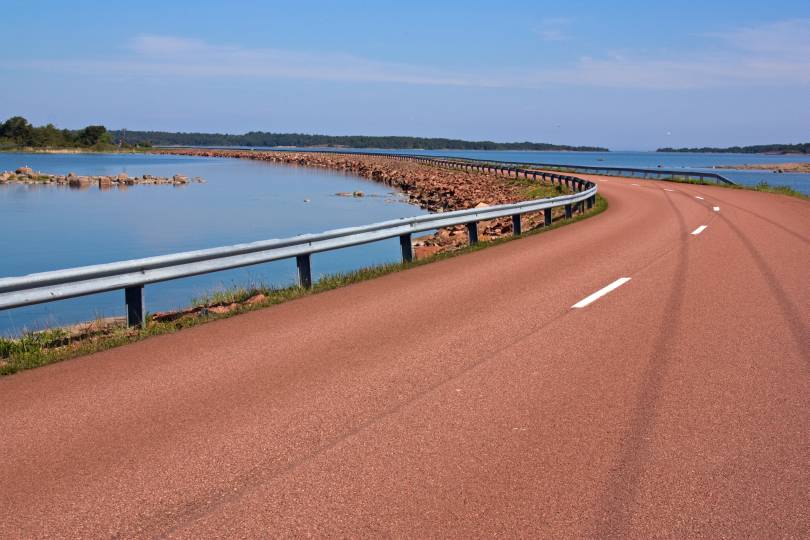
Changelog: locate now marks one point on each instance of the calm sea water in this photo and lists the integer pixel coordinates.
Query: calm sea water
(49, 228)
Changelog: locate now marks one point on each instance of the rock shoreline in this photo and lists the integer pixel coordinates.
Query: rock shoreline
(436, 189)
(796, 167)
(26, 175)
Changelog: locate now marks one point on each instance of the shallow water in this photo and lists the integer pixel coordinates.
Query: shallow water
(49, 227)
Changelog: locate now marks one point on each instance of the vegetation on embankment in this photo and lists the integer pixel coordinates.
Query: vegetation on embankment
(35, 349)
(799, 148)
(764, 187)
(781, 190)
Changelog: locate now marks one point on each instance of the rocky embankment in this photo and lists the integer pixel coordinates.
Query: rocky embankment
(798, 167)
(436, 189)
(26, 175)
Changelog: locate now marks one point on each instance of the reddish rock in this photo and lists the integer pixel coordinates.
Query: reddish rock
(219, 310)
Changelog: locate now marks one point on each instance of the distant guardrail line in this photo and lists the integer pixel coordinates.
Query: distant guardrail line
(654, 174)
(133, 275)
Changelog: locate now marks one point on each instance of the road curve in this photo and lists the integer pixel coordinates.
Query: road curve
(465, 398)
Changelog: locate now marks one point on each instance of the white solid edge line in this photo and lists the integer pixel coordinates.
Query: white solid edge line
(697, 197)
(600, 293)
(699, 230)
(716, 208)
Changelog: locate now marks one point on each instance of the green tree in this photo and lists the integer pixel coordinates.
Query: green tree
(18, 129)
(93, 135)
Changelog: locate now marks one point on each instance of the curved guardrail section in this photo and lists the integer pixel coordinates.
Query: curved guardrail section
(132, 275)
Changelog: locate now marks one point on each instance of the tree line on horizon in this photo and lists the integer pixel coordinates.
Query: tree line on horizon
(800, 148)
(17, 132)
(267, 139)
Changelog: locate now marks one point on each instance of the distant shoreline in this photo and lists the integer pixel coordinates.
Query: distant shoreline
(799, 149)
(264, 139)
(147, 150)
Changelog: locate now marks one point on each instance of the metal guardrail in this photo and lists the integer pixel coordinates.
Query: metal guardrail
(132, 275)
(655, 174)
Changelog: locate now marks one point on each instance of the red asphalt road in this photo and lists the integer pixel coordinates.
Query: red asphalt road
(465, 398)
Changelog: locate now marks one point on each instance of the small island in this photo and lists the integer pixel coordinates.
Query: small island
(26, 175)
(777, 149)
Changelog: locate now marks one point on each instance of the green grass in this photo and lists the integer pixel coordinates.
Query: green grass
(782, 190)
(46, 347)
(764, 187)
(236, 294)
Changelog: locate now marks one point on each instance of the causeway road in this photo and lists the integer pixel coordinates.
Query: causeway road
(643, 373)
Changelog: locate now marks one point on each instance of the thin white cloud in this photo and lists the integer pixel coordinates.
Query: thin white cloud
(173, 55)
(785, 38)
(772, 54)
(553, 29)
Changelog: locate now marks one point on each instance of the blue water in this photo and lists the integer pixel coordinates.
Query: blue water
(48, 228)
(644, 160)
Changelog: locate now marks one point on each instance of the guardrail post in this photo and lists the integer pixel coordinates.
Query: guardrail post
(304, 270)
(569, 211)
(547, 217)
(589, 202)
(406, 246)
(516, 230)
(472, 232)
(133, 296)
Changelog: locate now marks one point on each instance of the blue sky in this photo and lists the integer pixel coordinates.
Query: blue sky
(626, 75)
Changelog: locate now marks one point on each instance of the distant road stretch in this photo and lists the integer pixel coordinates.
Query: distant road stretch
(643, 373)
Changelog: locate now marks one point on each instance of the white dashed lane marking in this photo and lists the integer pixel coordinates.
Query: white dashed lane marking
(699, 230)
(600, 293)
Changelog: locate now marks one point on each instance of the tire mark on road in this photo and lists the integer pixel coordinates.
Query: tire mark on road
(790, 312)
(621, 490)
